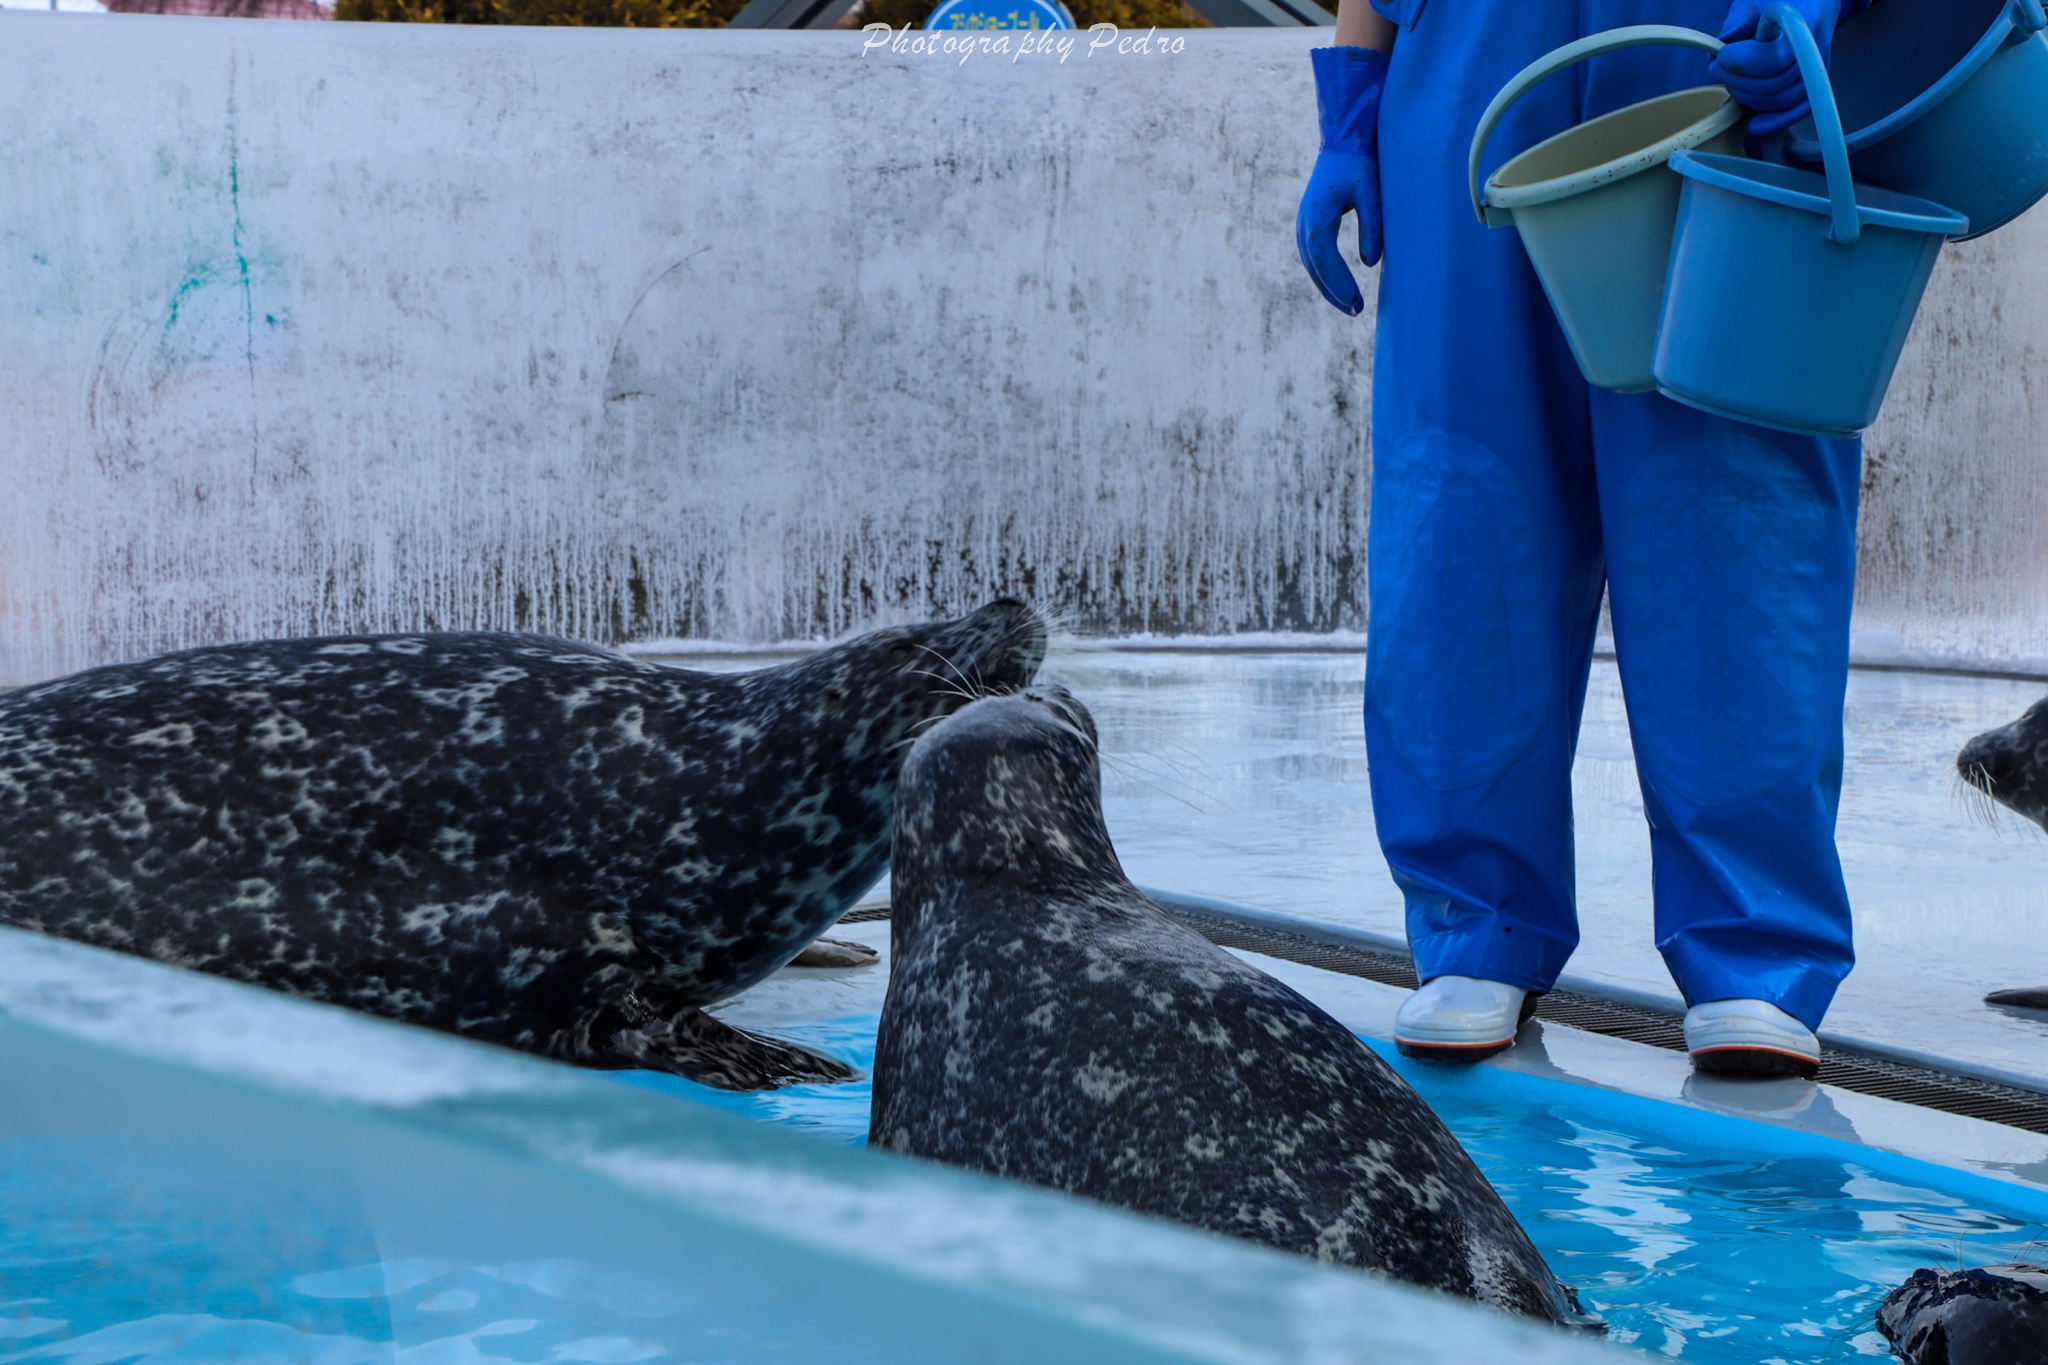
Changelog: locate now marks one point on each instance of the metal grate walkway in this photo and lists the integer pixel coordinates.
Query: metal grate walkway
(1880, 1076)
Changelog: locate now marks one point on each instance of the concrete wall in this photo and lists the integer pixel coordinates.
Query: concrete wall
(750, 336)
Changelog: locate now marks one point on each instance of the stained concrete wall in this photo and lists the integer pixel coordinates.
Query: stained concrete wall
(750, 336)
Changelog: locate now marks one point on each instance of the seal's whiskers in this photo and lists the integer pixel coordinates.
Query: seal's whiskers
(1973, 793)
(1862, 1314)
(960, 685)
(959, 678)
(1060, 623)
(915, 731)
(1126, 776)
(1155, 757)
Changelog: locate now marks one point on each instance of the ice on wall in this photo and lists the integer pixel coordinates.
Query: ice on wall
(1955, 514)
(749, 337)
(621, 334)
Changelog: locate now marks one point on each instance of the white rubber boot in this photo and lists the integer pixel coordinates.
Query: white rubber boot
(1461, 1019)
(1750, 1038)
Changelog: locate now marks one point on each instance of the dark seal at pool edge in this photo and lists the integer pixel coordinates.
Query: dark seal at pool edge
(1993, 1315)
(1046, 1022)
(519, 839)
(2010, 765)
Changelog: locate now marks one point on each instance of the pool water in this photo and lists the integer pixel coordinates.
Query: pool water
(1700, 1246)
(131, 1250)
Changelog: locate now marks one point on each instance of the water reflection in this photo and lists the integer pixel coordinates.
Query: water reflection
(1772, 1101)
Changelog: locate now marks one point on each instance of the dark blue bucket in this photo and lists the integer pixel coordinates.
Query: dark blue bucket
(1946, 100)
(1789, 294)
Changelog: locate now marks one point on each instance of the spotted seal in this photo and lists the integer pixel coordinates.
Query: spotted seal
(1993, 1315)
(523, 840)
(1046, 1022)
(2010, 765)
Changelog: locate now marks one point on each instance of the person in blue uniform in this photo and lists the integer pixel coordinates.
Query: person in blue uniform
(1507, 493)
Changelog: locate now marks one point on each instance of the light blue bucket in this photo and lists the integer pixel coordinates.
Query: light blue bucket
(1947, 100)
(1789, 294)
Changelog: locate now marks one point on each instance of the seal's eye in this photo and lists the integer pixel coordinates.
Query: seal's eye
(900, 650)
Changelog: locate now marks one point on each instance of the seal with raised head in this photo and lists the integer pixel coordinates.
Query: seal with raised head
(2010, 765)
(523, 840)
(1048, 1023)
(1992, 1315)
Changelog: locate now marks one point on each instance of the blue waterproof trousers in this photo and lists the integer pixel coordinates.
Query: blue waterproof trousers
(1506, 491)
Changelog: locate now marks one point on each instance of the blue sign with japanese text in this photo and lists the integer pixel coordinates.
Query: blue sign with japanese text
(990, 14)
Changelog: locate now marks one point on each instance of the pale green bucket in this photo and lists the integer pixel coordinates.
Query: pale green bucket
(1596, 204)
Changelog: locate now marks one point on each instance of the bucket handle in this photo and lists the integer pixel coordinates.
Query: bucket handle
(1845, 223)
(2029, 16)
(1571, 54)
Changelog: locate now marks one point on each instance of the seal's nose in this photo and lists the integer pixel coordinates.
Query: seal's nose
(1066, 706)
(1986, 761)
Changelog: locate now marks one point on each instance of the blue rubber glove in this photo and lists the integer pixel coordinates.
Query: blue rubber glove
(1764, 77)
(1347, 174)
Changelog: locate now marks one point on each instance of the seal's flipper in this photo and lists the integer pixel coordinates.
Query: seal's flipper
(693, 1045)
(2026, 998)
(836, 952)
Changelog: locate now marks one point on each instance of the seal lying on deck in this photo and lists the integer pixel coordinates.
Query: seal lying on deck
(1046, 1022)
(2010, 765)
(518, 839)
(1997, 1315)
